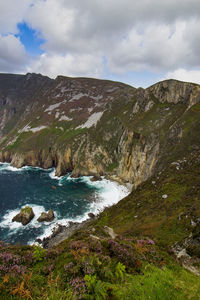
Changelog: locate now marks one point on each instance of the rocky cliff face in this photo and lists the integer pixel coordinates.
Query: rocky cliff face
(96, 127)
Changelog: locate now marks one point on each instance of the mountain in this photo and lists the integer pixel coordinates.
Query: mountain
(147, 139)
(96, 127)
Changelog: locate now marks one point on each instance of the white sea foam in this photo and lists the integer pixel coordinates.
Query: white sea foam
(52, 175)
(14, 226)
(108, 193)
(36, 169)
(4, 166)
(65, 222)
(8, 167)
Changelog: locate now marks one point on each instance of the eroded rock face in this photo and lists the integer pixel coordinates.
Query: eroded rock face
(136, 130)
(91, 215)
(110, 232)
(46, 217)
(173, 91)
(96, 178)
(138, 157)
(25, 216)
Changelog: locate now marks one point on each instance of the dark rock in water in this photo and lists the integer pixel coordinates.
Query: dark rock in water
(25, 216)
(45, 242)
(39, 241)
(96, 178)
(74, 175)
(60, 233)
(57, 230)
(91, 215)
(46, 217)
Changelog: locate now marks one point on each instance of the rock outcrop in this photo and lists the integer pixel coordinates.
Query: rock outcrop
(25, 216)
(96, 127)
(46, 217)
(91, 215)
(96, 178)
(109, 231)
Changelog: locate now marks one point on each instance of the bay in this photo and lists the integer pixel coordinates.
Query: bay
(70, 198)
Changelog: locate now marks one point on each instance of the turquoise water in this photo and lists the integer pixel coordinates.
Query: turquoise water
(70, 199)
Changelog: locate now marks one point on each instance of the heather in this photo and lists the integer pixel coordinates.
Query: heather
(90, 267)
(153, 256)
(147, 245)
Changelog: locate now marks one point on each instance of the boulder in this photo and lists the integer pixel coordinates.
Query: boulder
(96, 178)
(91, 215)
(39, 241)
(110, 232)
(25, 216)
(46, 217)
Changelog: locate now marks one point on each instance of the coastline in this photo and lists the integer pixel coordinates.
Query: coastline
(61, 233)
(110, 192)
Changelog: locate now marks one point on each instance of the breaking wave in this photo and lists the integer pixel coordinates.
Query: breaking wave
(71, 199)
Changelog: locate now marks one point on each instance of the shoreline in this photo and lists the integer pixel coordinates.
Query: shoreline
(110, 193)
(112, 177)
(61, 233)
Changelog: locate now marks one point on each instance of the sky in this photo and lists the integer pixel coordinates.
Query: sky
(137, 42)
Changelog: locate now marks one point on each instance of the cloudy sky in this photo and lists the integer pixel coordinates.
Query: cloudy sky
(138, 42)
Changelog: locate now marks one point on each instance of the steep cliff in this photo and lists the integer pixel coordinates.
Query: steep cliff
(96, 127)
(148, 138)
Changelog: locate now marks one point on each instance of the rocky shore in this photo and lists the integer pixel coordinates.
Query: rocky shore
(61, 232)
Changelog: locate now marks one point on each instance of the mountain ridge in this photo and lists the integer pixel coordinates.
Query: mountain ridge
(146, 138)
(117, 130)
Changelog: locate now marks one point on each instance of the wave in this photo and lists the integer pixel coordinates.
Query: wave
(108, 194)
(14, 226)
(52, 175)
(30, 168)
(60, 179)
(8, 167)
(65, 222)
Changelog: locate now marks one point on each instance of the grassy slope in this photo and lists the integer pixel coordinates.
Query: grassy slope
(164, 121)
(168, 220)
(137, 265)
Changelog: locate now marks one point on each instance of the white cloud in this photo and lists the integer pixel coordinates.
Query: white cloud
(70, 65)
(156, 48)
(12, 12)
(12, 54)
(92, 24)
(54, 21)
(146, 35)
(184, 75)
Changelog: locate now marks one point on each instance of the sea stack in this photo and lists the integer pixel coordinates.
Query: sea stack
(25, 216)
(46, 217)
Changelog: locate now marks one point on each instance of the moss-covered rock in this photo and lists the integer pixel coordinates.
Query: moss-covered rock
(25, 216)
(46, 217)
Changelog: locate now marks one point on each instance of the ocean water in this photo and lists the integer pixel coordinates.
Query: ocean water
(70, 198)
